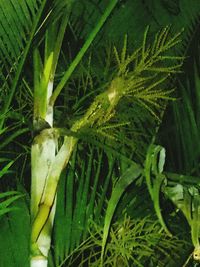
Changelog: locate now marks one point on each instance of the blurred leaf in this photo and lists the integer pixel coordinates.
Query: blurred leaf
(14, 237)
(6, 168)
(12, 197)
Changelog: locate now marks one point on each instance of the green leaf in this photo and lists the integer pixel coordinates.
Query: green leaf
(14, 237)
(124, 181)
(187, 199)
(13, 46)
(6, 168)
(154, 164)
(4, 205)
(83, 50)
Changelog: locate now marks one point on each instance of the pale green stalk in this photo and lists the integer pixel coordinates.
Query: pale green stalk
(48, 168)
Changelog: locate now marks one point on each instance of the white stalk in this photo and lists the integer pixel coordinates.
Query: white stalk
(45, 205)
(47, 165)
(42, 156)
(39, 262)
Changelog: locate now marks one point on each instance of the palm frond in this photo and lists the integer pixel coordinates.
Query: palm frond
(14, 238)
(11, 196)
(86, 193)
(14, 48)
(132, 243)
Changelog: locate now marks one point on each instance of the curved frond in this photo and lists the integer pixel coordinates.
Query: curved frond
(18, 24)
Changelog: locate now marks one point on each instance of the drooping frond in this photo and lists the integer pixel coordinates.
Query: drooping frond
(143, 73)
(18, 24)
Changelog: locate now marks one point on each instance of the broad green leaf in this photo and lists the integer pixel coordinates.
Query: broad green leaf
(154, 165)
(124, 181)
(14, 237)
(187, 199)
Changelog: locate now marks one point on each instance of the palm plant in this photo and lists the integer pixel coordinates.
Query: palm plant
(99, 113)
(98, 103)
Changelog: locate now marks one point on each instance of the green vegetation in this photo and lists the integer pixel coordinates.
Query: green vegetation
(99, 131)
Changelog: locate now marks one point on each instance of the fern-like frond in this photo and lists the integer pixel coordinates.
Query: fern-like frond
(143, 74)
(133, 242)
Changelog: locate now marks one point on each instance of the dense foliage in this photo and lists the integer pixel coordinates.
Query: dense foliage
(126, 89)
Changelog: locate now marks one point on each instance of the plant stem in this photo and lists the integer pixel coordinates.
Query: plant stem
(46, 170)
